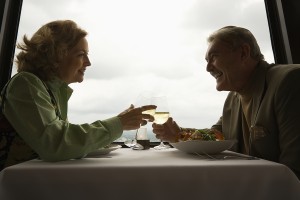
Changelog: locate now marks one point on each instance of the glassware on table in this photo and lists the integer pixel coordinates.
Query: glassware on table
(142, 139)
(130, 142)
(143, 99)
(161, 116)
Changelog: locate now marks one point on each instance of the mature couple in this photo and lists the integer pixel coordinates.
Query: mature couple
(261, 111)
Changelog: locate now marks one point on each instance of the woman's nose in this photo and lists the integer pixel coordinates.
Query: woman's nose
(87, 61)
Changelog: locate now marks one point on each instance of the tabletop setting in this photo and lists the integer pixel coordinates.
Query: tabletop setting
(184, 171)
(199, 165)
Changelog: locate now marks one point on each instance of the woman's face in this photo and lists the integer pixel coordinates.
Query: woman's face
(73, 66)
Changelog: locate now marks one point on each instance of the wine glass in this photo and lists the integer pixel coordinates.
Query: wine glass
(143, 99)
(161, 115)
(130, 142)
(142, 139)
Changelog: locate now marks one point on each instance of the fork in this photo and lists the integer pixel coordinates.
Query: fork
(224, 157)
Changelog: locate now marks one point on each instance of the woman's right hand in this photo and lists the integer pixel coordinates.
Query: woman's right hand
(132, 118)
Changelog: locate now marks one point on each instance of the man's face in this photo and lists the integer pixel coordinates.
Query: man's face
(226, 65)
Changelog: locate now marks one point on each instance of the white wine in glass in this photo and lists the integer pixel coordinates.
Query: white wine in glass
(149, 112)
(161, 116)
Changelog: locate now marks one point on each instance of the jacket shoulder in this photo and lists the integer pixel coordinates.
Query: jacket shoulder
(283, 70)
(24, 77)
(23, 80)
(278, 73)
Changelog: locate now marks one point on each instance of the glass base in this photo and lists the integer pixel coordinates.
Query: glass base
(161, 146)
(130, 143)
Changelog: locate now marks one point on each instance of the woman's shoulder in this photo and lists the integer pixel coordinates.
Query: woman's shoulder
(25, 77)
(22, 80)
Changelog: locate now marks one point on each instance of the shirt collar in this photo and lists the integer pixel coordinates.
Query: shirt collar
(256, 79)
(58, 85)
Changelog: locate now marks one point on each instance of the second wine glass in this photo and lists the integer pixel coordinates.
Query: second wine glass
(161, 115)
(143, 99)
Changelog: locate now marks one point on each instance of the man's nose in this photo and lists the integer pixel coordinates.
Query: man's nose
(209, 67)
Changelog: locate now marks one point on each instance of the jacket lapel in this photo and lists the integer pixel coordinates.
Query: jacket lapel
(260, 85)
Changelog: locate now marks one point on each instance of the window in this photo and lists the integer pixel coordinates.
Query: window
(146, 45)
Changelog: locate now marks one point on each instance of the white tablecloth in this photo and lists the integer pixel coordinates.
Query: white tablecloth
(149, 174)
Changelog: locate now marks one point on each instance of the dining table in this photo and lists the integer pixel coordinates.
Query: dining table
(149, 175)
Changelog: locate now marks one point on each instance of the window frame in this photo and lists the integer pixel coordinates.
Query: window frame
(10, 18)
(284, 30)
(284, 33)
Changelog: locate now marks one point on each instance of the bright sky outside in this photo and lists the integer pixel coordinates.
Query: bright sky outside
(149, 45)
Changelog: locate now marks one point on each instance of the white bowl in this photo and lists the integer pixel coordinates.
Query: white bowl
(203, 147)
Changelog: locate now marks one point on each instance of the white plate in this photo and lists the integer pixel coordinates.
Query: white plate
(203, 147)
(103, 151)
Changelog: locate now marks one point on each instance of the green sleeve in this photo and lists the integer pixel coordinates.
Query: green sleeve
(29, 109)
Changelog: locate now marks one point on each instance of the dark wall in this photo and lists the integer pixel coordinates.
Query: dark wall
(2, 4)
(291, 9)
(284, 36)
(9, 31)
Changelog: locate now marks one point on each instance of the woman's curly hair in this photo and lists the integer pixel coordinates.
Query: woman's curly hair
(42, 54)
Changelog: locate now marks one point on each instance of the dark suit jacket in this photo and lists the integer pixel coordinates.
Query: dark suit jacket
(275, 121)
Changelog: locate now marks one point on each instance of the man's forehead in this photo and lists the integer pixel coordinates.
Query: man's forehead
(212, 47)
(217, 45)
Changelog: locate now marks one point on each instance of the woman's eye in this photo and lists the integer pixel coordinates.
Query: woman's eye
(81, 54)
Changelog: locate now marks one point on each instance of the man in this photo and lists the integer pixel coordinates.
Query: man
(262, 110)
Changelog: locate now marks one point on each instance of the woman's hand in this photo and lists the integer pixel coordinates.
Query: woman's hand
(168, 131)
(132, 118)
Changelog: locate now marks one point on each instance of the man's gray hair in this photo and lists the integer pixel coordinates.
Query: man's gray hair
(235, 37)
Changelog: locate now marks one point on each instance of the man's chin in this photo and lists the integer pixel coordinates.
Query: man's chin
(220, 88)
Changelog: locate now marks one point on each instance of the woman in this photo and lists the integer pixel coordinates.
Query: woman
(36, 99)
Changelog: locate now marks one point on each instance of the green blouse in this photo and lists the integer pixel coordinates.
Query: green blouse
(29, 109)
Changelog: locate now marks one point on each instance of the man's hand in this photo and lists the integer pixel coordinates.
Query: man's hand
(168, 131)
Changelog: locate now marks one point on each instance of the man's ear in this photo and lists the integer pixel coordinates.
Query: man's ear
(245, 51)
